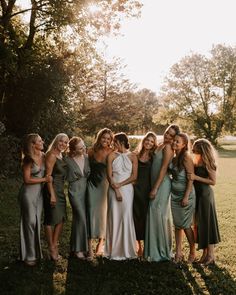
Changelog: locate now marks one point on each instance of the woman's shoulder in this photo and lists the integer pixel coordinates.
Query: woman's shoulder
(50, 156)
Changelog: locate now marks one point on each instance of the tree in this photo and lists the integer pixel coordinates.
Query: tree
(200, 93)
(35, 74)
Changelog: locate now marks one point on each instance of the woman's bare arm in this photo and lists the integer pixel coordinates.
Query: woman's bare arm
(167, 156)
(189, 167)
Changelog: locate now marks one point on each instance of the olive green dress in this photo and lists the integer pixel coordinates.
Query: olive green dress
(182, 216)
(206, 217)
(31, 206)
(142, 188)
(158, 236)
(97, 191)
(77, 180)
(57, 214)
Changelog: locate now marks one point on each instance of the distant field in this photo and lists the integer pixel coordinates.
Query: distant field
(70, 276)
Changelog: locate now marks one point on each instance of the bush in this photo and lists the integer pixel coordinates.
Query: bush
(10, 156)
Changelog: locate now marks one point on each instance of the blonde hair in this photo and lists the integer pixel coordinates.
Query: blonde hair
(55, 141)
(27, 150)
(203, 147)
(140, 148)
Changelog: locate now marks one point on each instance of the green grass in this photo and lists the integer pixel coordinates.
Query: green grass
(101, 276)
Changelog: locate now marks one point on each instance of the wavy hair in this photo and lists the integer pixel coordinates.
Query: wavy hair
(27, 148)
(203, 147)
(140, 148)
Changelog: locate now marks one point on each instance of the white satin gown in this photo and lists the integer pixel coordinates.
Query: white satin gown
(120, 235)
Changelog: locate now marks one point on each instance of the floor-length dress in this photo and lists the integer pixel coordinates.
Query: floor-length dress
(142, 188)
(77, 186)
(120, 237)
(158, 237)
(57, 214)
(97, 192)
(206, 217)
(182, 216)
(31, 206)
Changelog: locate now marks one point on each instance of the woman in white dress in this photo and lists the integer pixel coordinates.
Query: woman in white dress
(122, 172)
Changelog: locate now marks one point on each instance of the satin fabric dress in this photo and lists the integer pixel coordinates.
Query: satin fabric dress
(57, 214)
(120, 237)
(31, 206)
(206, 217)
(142, 188)
(77, 185)
(158, 237)
(182, 216)
(97, 193)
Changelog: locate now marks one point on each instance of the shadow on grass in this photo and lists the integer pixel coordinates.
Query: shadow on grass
(18, 279)
(213, 280)
(103, 276)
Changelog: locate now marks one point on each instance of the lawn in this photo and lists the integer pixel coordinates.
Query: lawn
(101, 276)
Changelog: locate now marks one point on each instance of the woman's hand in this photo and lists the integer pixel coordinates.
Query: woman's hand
(53, 200)
(116, 185)
(191, 176)
(153, 193)
(48, 178)
(184, 202)
(119, 197)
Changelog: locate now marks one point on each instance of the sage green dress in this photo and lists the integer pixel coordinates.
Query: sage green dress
(142, 188)
(31, 206)
(182, 216)
(77, 185)
(57, 214)
(97, 199)
(158, 236)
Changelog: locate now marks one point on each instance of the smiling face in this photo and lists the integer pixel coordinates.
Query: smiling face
(62, 144)
(149, 143)
(178, 143)
(38, 144)
(169, 135)
(105, 140)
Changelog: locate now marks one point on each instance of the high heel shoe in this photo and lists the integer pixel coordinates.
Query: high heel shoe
(178, 258)
(209, 261)
(191, 258)
(53, 254)
(30, 262)
(79, 255)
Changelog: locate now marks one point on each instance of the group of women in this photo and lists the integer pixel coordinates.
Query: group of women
(125, 200)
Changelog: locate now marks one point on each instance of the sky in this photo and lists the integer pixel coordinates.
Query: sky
(167, 31)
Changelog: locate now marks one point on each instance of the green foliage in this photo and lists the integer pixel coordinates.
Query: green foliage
(47, 65)
(200, 93)
(10, 156)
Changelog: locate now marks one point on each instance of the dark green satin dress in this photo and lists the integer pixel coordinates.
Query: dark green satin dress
(97, 192)
(206, 217)
(142, 188)
(57, 214)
